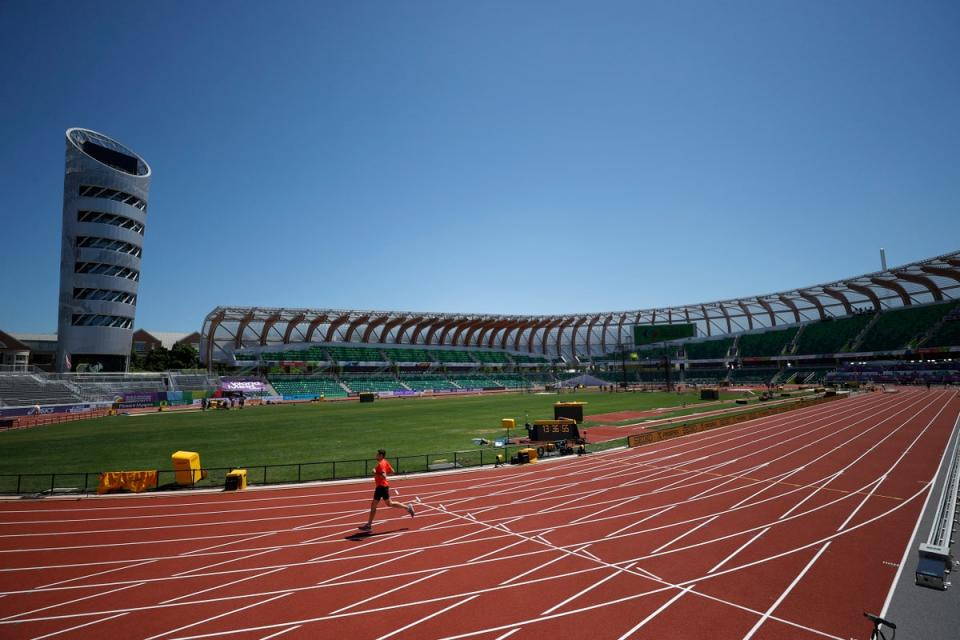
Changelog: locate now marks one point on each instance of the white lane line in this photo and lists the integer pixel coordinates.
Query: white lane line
(873, 489)
(227, 544)
(217, 617)
(183, 574)
(383, 593)
(684, 534)
(79, 626)
(739, 549)
(221, 586)
(536, 581)
(783, 595)
(425, 618)
(281, 632)
(93, 575)
(640, 521)
(74, 601)
(507, 634)
(367, 567)
(657, 612)
(587, 589)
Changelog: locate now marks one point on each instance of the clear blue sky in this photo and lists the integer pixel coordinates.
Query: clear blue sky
(496, 157)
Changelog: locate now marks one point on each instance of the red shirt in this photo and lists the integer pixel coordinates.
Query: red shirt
(380, 473)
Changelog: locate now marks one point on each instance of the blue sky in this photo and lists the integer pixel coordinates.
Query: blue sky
(495, 157)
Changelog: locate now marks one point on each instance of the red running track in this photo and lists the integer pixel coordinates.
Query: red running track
(783, 527)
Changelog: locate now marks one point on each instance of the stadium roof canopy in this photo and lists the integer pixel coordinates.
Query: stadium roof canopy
(230, 329)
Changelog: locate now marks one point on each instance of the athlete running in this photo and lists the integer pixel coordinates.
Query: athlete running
(382, 492)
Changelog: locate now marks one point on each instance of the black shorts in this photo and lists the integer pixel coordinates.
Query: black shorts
(381, 493)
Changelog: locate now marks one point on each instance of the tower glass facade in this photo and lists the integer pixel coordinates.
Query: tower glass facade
(105, 189)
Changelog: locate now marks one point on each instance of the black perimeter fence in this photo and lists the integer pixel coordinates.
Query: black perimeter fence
(40, 484)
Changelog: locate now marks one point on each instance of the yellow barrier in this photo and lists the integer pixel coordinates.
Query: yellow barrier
(186, 464)
(135, 481)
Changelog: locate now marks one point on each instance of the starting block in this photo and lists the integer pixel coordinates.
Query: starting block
(236, 480)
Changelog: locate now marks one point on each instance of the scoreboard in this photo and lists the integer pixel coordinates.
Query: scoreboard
(562, 429)
(651, 333)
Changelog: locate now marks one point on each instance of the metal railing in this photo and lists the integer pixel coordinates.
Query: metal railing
(39, 484)
(936, 559)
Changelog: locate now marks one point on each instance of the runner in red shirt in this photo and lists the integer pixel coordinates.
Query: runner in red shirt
(382, 492)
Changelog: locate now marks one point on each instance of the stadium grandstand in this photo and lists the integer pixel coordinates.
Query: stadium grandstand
(797, 335)
(908, 316)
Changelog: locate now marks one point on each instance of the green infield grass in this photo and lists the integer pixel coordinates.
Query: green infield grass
(301, 433)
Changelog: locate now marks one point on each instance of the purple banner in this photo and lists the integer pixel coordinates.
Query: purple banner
(252, 386)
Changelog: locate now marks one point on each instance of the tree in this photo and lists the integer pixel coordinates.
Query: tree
(183, 356)
(157, 359)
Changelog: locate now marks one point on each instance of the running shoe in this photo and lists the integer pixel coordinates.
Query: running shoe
(410, 510)
(365, 527)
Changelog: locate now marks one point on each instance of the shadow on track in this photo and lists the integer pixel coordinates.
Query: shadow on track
(363, 535)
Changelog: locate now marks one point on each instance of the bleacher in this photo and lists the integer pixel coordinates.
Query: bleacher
(900, 328)
(831, 336)
(491, 357)
(474, 382)
(396, 354)
(303, 388)
(766, 344)
(705, 376)
(948, 333)
(510, 380)
(22, 390)
(374, 384)
(427, 382)
(453, 356)
(752, 375)
(528, 359)
(708, 350)
(355, 354)
(801, 375)
(655, 353)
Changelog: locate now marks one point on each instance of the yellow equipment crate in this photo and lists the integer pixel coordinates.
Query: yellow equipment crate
(531, 453)
(186, 465)
(508, 423)
(236, 480)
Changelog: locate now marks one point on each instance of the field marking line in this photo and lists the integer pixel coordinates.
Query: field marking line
(859, 506)
(280, 633)
(588, 589)
(684, 534)
(216, 617)
(908, 548)
(786, 592)
(739, 549)
(640, 521)
(367, 567)
(92, 575)
(79, 626)
(226, 544)
(74, 601)
(613, 535)
(788, 552)
(383, 593)
(182, 574)
(508, 634)
(220, 586)
(657, 612)
(425, 618)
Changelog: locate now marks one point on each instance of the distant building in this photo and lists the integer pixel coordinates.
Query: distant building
(105, 190)
(42, 346)
(13, 354)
